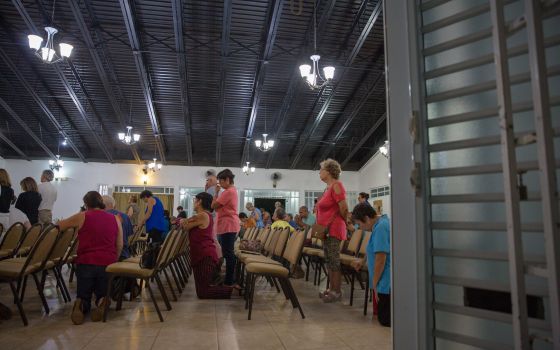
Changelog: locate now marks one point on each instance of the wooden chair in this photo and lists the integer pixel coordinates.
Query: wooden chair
(133, 270)
(271, 269)
(11, 241)
(16, 270)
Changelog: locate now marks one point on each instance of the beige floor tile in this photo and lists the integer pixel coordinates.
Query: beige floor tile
(186, 340)
(299, 339)
(227, 326)
(121, 343)
(250, 339)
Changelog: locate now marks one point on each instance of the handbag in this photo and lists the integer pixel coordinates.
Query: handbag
(149, 257)
(251, 245)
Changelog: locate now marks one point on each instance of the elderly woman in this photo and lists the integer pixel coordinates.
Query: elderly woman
(226, 204)
(100, 241)
(332, 211)
(133, 210)
(29, 200)
(256, 214)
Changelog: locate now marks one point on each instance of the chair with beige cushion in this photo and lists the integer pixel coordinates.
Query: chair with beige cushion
(16, 270)
(133, 270)
(347, 260)
(29, 239)
(11, 240)
(58, 258)
(271, 269)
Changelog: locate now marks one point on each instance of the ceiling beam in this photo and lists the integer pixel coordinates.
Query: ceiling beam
(306, 136)
(364, 139)
(275, 13)
(144, 74)
(81, 110)
(23, 124)
(287, 101)
(348, 114)
(14, 147)
(41, 103)
(98, 63)
(224, 53)
(177, 9)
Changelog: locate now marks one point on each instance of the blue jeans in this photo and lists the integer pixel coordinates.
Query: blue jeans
(227, 241)
(90, 279)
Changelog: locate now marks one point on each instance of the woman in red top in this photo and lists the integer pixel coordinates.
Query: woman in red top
(100, 241)
(332, 210)
(204, 258)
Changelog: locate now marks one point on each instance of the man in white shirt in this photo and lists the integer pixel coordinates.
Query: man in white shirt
(48, 195)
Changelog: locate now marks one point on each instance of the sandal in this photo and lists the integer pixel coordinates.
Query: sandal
(332, 297)
(323, 293)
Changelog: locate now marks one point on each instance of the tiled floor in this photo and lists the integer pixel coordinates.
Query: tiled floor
(199, 324)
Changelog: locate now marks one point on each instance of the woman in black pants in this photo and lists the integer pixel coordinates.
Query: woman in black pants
(227, 220)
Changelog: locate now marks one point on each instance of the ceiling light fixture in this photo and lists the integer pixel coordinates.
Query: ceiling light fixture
(56, 164)
(311, 74)
(128, 138)
(264, 145)
(384, 150)
(47, 53)
(248, 170)
(153, 166)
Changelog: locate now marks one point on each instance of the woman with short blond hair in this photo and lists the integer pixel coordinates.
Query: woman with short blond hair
(29, 199)
(332, 210)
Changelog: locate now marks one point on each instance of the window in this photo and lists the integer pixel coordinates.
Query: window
(186, 195)
(291, 197)
(138, 189)
(310, 197)
(103, 190)
(380, 192)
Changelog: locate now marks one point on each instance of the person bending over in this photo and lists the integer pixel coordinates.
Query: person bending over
(204, 258)
(100, 241)
(156, 225)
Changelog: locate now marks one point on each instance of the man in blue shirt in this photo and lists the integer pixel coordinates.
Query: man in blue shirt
(378, 254)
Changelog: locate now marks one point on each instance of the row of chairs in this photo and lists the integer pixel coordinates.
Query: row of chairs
(173, 258)
(314, 257)
(49, 252)
(280, 254)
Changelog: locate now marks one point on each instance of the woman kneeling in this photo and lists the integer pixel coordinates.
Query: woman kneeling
(204, 258)
(100, 242)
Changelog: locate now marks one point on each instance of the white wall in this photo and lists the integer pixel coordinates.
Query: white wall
(375, 173)
(83, 177)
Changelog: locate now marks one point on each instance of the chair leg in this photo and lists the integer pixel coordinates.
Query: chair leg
(22, 288)
(120, 295)
(170, 285)
(287, 291)
(293, 293)
(176, 278)
(366, 296)
(162, 291)
(154, 301)
(251, 296)
(41, 295)
(307, 263)
(109, 291)
(64, 285)
(59, 284)
(247, 289)
(352, 287)
(18, 303)
(72, 270)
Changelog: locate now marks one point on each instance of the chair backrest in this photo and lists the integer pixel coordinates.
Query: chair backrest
(261, 234)
(271, 242)
(13, 236)
(31, 236)
(250, 234)
(354, 243)
(44, 245)
(294, 247)
(62, 244)
(166, 248)
(281, 243)
(264, 236)
(365, 241)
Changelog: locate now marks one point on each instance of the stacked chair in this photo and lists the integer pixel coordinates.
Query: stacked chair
(275, 270)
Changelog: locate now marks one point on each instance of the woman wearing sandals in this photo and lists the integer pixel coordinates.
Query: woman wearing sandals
(204, 258)
(100, 241)
(332, 210)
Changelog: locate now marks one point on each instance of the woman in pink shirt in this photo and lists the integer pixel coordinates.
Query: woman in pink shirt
(227, 220)
(332, 210)
(100, 241)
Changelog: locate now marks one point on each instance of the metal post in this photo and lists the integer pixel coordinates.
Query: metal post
(509, 171)
(545, 147)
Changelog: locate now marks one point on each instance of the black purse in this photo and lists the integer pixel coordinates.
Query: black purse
(149, 257)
